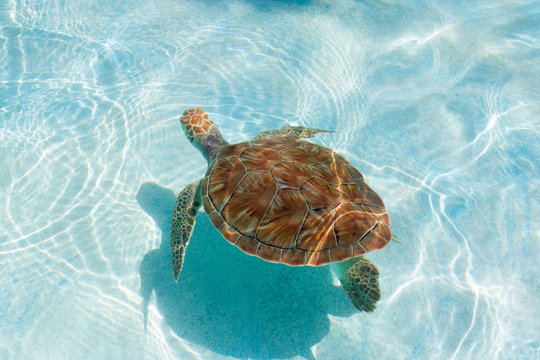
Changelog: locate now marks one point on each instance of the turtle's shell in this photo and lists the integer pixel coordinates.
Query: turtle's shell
(293, 202)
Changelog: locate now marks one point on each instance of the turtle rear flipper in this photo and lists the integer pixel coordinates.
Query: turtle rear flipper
(296, 132)
(361, 284)
(182, 223)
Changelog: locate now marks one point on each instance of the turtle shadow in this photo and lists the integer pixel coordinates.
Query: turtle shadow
(231, 303)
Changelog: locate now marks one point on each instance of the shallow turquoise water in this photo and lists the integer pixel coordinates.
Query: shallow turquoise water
(438, 106)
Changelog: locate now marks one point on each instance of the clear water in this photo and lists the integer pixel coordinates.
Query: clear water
(437, 103)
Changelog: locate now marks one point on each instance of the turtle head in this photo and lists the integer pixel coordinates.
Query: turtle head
(202, 132)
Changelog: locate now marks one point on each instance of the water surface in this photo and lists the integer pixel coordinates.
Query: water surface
(437, 104)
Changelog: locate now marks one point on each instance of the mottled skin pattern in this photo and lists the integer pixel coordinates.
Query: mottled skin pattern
(284, 200)
(182, 223)
(202, 133)
(292, 131)
(361, 283)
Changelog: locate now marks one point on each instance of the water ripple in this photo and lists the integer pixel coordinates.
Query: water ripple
(437, 104)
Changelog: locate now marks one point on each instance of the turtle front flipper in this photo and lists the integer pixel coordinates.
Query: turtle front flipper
(296, 132)
(361, 284)
(182, 223)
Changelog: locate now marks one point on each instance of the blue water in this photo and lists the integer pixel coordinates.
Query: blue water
(437, 103)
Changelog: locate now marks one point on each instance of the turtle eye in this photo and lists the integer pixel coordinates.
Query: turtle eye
(188, 130)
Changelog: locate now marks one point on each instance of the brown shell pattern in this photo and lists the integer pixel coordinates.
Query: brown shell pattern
(293, 202)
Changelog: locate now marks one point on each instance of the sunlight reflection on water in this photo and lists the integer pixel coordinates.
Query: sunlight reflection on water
(436, 104)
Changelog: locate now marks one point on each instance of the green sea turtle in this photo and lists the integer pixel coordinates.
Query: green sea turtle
(287, 201)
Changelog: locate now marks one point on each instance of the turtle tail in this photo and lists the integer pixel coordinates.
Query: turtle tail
(361, 284)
